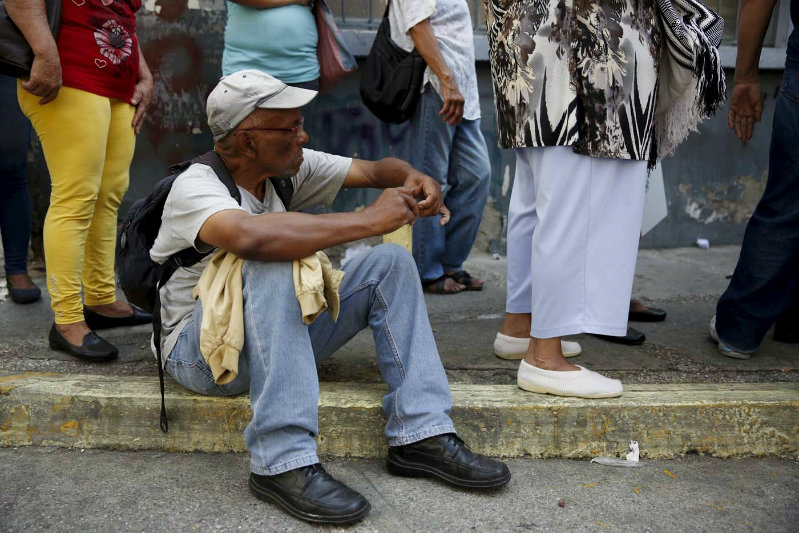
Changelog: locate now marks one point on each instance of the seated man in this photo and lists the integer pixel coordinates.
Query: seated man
(258, 133)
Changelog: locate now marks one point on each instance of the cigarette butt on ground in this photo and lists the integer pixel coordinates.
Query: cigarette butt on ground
(402, 236)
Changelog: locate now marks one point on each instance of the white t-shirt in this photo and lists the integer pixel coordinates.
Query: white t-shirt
(452, 26)
(196, 195)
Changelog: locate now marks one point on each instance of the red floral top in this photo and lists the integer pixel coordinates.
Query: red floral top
(98, 47)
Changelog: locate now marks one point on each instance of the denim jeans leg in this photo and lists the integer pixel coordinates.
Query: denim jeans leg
(381, 290)
(284, 386)
(468, 179)
(15, 202)
(188, 367)
(276, 364)
(430, 146)
(767, 273)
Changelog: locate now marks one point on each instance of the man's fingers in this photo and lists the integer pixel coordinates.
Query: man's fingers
(408, 191)
(446, 111)
(445, 214)
(410, 201)
(759, 111)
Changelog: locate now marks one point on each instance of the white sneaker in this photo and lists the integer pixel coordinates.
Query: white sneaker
(581, 383)
(507, 347)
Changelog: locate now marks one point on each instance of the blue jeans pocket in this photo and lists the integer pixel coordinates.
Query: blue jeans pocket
(790, 85)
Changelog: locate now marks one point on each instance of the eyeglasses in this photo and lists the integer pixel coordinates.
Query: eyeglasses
(296, 130)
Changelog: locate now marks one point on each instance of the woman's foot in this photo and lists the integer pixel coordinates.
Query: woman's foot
(642, 313)
(113, 310)
(78, 340)
(513, 339)
(545, 370)
(21, 288)
(506, 347)
(115, 315)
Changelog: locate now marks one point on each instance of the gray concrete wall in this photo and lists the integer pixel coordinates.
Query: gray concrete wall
(712, 182)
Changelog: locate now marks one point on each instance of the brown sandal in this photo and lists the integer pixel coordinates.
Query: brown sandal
(464, 278)
(439, 286)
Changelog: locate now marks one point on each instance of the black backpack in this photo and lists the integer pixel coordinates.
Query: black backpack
(138, 276)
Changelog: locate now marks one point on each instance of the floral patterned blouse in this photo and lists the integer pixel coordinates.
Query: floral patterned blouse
(580, 73)
(98, 48)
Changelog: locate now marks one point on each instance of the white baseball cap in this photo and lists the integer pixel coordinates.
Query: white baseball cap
(241, 93)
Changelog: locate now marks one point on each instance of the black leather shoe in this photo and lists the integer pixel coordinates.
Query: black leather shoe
(633, 338)
(652, 314)
(786, 329)
(785, 334)
(97, 321)
(448, 458)
(23, 296)
(311, 494)
(94, 348)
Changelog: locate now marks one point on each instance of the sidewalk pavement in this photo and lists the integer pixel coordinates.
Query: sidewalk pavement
(684, 281)
(682, 394)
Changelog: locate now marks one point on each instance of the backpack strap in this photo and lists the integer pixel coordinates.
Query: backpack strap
(213, 160)
(185, 258)
(284, 188)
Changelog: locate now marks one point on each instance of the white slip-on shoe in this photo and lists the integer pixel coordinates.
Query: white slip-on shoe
(581, 383)
(506, 347)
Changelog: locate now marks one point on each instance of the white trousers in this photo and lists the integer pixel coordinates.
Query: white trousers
(573, 228)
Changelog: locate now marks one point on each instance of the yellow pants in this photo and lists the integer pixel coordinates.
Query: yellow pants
(88, 144)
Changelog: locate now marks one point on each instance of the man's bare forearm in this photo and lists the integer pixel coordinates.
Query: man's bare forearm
(385, 173)
(31, 19)
(424, 39)
(753, 21)
(291, 235)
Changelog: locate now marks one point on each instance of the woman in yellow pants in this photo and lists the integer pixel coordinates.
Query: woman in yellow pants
(87, 129)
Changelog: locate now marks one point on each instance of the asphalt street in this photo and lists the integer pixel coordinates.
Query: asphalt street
(70, 490)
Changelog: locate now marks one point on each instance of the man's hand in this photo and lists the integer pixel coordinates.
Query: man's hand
(141, 94)
(427, 192)
(424, 39)
(393, 209)
(452, 110)
(746, 108)
(45, 79)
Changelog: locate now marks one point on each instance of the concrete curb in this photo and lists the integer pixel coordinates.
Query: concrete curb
(667, 420)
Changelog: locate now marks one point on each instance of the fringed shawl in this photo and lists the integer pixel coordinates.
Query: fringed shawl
(691, 78)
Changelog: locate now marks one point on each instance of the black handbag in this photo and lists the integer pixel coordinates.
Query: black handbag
(391, 78)
(16, 55)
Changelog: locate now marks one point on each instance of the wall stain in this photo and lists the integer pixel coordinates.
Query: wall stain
(731, 203)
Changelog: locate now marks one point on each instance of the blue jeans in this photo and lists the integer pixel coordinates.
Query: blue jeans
(278, 361)
(767, 274)
(457, 157)
(15, 202)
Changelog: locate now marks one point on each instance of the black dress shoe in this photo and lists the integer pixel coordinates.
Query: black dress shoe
(311, 494)
(786, 329)
(94, 348)
(448, 458)
(632, 338)
(652, 314)
(786, 334)
(23, 296)
(97, 321)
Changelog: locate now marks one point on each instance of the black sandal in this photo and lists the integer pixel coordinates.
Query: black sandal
(437, 286)
(464, 278)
